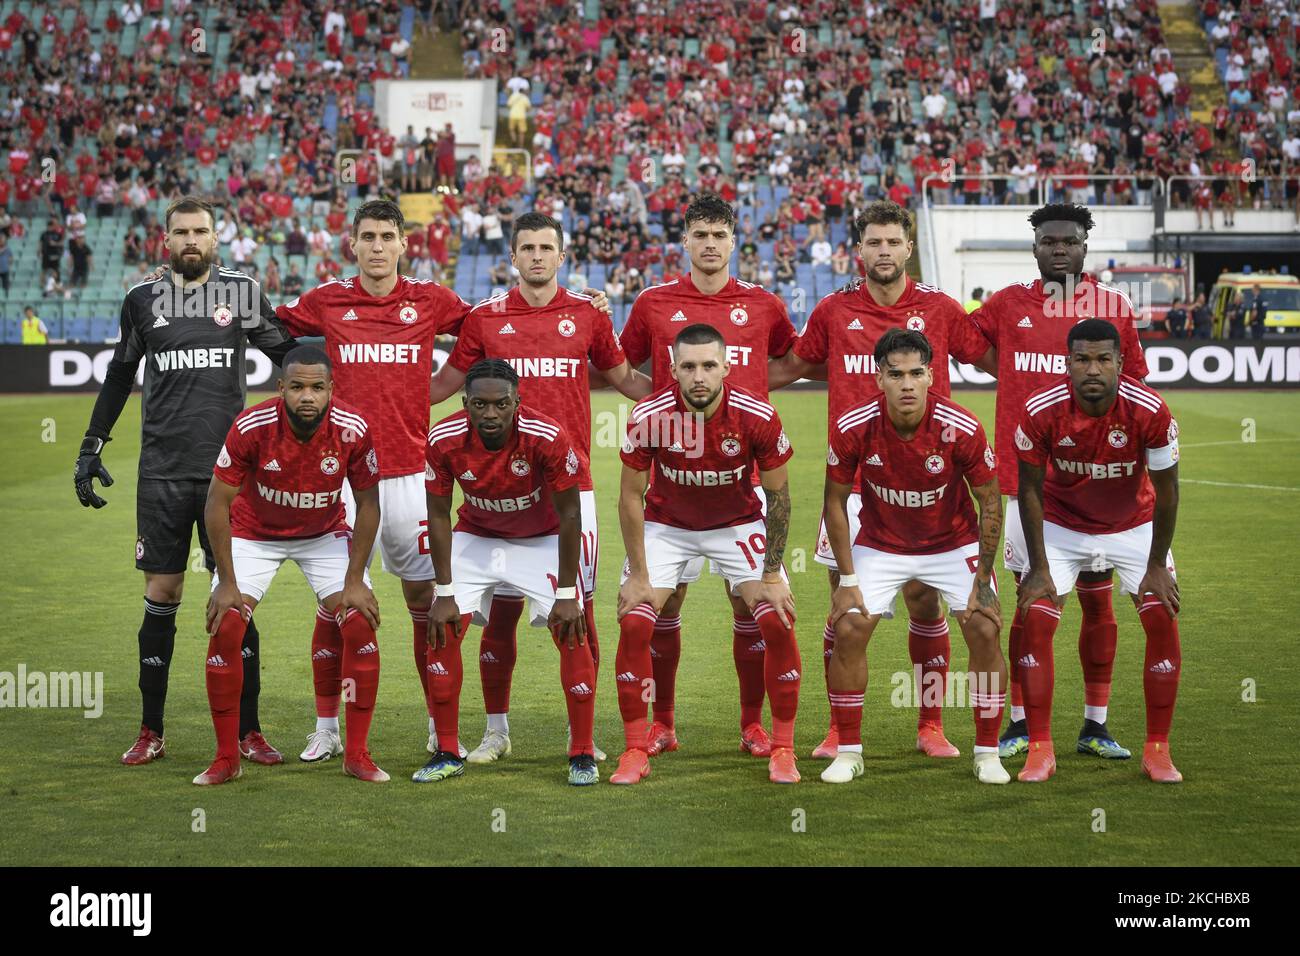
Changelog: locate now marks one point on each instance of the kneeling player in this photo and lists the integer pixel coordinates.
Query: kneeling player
(276, 495)
(701, 437)
(1099, 482)
(914, 452)
(520, 477)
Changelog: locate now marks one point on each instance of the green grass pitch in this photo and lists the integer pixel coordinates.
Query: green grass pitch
(72, 601)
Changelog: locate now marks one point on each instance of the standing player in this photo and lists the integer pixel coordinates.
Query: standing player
(520, 476)
(276, 495)
(547, 334)
(839, 343)
(754, 325)
(1027, 322)
(701, 437)
(190, 327)
(1099, 475)
(913, 454)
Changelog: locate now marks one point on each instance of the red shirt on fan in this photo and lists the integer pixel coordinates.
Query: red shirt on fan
(698, 480)
(753, 322)
(1029, 333)
(914, 497)
(844, 327)
(291, 488)
(1096, 481)
(548, 347)
(382, 350)
(507, 490)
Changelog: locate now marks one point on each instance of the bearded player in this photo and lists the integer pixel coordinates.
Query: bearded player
(839, 344)
(1099, 475)
(701, 438)
(1027, 323)
(755, 326)
(275, 496)
(913, 454)
(548, 335)
(520, 527)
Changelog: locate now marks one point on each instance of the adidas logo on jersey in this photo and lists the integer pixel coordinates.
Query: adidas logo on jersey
(436, 669)
(159, 323)
(272, 465)
(1066, 442)
(676, 447)
(487, 657)
(855, 326)
(468, 476)
(216, 661)
(789, 675)
(507, 329)
(323, 654)
(1163, 667)
(580, 690)
(874, 460)
(153, 661)
(626, 677)
(369, 648)
(1028, 661)
(1024, 323)
(679, 316)
(349, 316)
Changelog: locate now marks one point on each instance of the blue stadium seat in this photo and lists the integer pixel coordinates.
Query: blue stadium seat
(75, 330)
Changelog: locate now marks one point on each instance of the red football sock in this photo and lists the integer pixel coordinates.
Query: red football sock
(361, 669)
(578, 679)
(632, 661)
(828, 648)
(846, 715)
(665, 654)
(987, 709)
(420, 647)
(1036, 668)
(326, 663)
(749, 651)
(593, 639)
(497, 652)
(781, 670)
(929, 646)
(225, 681)
(1015, 648)
(1098, 635)
(446, 674)
(1162, 668)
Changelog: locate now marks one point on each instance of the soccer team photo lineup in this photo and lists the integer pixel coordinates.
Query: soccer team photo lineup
(461, 353)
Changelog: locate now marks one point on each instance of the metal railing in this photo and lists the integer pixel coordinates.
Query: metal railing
(1042, 186)
(1271, 194)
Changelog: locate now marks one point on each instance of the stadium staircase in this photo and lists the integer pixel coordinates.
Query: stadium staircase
(1193, 62)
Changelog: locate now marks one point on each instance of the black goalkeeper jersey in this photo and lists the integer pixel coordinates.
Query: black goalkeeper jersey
(193, 342)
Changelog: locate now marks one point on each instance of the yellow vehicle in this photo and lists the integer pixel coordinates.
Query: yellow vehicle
(1281, 295)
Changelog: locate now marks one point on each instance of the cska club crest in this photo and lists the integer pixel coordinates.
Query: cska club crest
(916, 322)
(738, 314)
(567, 326)
(223, 316)
(730, 446)
(406, 312)
(329, 465)
(520, 467)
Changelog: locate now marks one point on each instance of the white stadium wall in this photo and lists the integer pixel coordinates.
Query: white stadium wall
(470, 106)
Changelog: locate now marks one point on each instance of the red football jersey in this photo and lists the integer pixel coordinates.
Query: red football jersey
(914, 497)
(844, 328)
(754, 323)
(507, 490)
(1096, 480)
(289, 488)
(382, 350)
(698, 475)
(1029, 333)
(549, 348)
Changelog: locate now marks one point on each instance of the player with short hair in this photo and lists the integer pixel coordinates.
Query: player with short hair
(548, 335)
(701, 437)
(1026, 322)
(756, 327)
(839, 344)
(276, 495)
(1099, 476)
(913, 453)
(191, 328)
(520, 526)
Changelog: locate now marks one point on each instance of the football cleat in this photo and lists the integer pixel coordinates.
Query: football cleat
(845, 767)
(220, 772)
(1094, 738)
(755, 741)
(829, 748)
(441, 766)
(931, 741)
(147, 747)
(1014, 740)
(989, 769)
(1157, 764)
(660, 739)
(582, 771)
(363, 768)
(322, 745)
(432, 746)
(1039, 765)
(633, 767)
(780, 766)
(495, 745)
(596, 752)
(254, 747)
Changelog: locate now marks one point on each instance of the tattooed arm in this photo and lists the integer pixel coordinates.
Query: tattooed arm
(773, 587)
(984, 596)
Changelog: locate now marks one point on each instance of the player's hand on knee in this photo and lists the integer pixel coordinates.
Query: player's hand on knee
(983, 600)
(89, 467)
(567, 623)
(634, 592)
(224, 598)
(846, 601)
(1037, 584)
(444, 620)
(1160, 583)
(361, 599)
(777, 593)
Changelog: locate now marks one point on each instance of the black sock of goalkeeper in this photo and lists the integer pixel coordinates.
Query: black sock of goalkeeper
(157, 639)
(252, 681)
